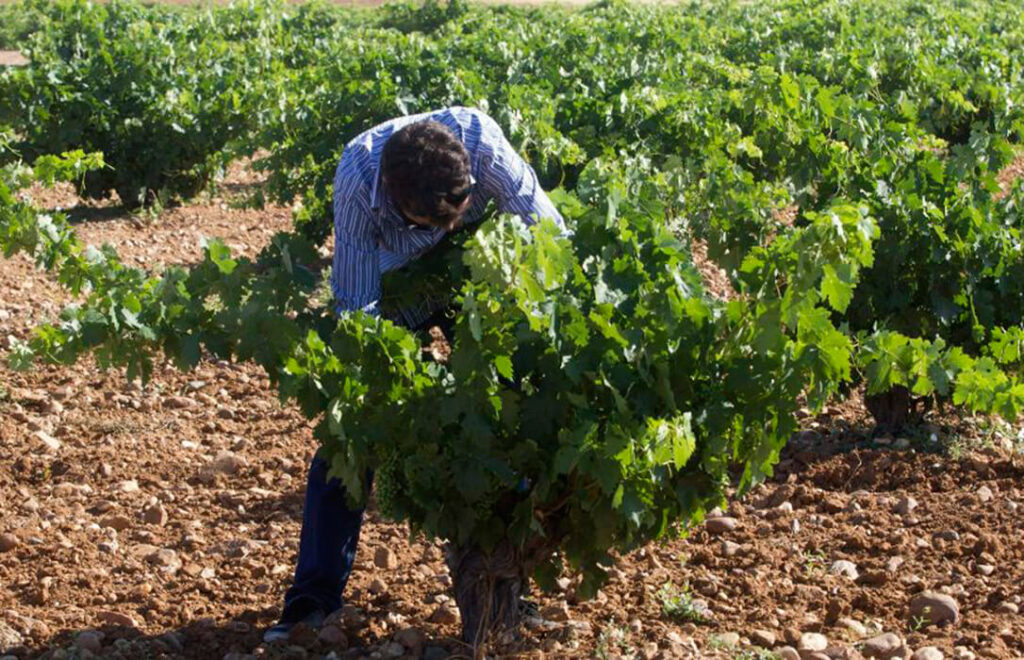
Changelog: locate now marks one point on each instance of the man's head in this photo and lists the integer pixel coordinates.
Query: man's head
(426, 171)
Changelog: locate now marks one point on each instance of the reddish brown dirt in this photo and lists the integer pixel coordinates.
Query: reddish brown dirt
(12, 58)
(1010, 174)
(168, 517)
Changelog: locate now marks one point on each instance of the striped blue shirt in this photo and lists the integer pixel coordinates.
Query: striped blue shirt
(371, 237)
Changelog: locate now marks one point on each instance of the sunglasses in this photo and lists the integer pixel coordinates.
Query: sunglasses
(457, 197)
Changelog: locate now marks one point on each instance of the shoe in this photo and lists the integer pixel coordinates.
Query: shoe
(302, 611)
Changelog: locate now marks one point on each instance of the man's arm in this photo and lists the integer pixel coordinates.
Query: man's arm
(355, 273)
(512, 182)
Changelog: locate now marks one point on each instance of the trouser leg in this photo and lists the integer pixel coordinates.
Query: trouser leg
(327, 546)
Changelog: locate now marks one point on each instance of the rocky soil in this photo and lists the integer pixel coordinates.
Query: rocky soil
(163, 521)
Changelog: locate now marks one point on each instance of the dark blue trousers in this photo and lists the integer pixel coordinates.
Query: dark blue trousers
(327, 546)
(330, 531)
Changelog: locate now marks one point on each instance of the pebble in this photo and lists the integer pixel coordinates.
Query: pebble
(728, 639)
(228, 462)
(906, 505)
(963, 653)
(9, 637)
(763, 638)
(894, 563)
(844, 568)
(333, 636)
(392, 650)
(384, 557)
(927, 653)
(117, 619)
(445, 614)
(984, 494)
(884, 646)
(129, 486)
(52, 443)
(812, 641)
(936, 608)
(1006, 607)
(788, 653)
(729, 549)
(89, 640)
(854, 626)
(155, 515)
(556, 612)
(8, 542)
(178, 402)
(378, 586)
(165, 558)
(720, 525)
(302, 635)
(413, 639)
(120, 523)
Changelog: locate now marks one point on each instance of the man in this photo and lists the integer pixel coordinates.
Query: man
(400, 188)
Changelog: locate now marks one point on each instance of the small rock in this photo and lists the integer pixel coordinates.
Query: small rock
(89, 640)
(392, 650)
(763, 638)
(729, 549)
(8, 542)
(378, 586)
(413, 639)
(927, 653)
(166, 559)
(117, 619)
(9, 637)
(855, 627)
(963, 653)
(120, 523)
(303, 635)
(384, 557)
(720, 525)
(155, 515)
(557, 612)
(129, 486)
(788, 653)
(446, 613)
(333, 636)
(728, 639)
(812, 641)
(178, 402)
(844, 568)
(984, 494)
(228, 462)
(934, 608)
(1007, 607)
(906, 505)
(52, 443)
(884, 646)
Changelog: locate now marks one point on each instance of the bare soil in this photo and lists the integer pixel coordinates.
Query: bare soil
(12, 58)
(163, 521)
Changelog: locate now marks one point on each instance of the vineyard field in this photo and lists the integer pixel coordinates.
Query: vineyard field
(765, 399)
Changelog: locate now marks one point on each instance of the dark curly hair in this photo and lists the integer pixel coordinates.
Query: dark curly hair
(426, 170)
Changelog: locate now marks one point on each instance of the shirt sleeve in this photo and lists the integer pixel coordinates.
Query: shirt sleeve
(512, 182)
(355, 272)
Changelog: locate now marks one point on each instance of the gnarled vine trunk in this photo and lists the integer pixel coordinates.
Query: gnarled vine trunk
(896, 409)
(488, 587)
